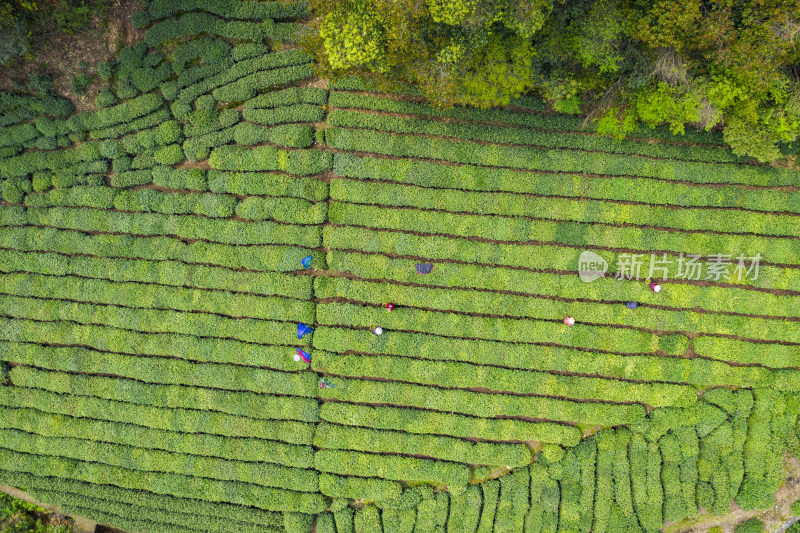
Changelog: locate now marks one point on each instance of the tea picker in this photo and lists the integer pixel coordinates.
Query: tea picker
(305, 356)
(655, 287)
(424, 268)
(303, 329)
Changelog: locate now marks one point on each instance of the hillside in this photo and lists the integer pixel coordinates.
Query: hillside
(152, 282)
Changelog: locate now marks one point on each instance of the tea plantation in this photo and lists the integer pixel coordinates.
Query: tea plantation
(151, 286)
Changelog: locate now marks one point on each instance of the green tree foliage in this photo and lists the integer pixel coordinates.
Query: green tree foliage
(461, 51)
(622, 62)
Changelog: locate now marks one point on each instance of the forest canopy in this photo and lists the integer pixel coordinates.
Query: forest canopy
(705, 63)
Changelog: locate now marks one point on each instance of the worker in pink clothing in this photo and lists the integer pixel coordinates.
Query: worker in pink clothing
(568, 320)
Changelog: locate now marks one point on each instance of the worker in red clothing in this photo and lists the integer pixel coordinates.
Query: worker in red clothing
(655, 287)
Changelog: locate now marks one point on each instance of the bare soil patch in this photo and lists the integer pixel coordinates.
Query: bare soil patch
(63, 56)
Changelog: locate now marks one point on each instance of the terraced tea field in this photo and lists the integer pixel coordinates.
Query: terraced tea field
(151, 284)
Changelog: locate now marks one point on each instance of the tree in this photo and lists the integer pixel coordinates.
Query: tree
(733, 64)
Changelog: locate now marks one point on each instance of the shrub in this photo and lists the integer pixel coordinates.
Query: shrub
(211, 205)
(61, 160)
(121, 113)
(123, 87)
(578, 232)
(141, 19)
(180, 109)
(248, 86)
(121, 164)
(179, 485)
(353, 487)
(553, 453)
(165, 272)
(491, 492)
(197, 148)
(182, 420)
(415, 421)
(344, 520)
(271, 258)
(11, 191)
(297, 522)
(241, 10)
(271, 184)
(300, 162)
(324, 523)
(795, 509)
(57, 426)
(144, 340)
(148, 121)
(14, 42)
(755, 494)
(80, 82)
(147, 141)
(41, 181)
(293, 210)
(248, 51)
(513, 504)
(392, 467)
(488, 406)
(221, 231)
(294, 135)
(240, 81)
(78, 196)
(132, 178)
(105, 98)
(165, 395)
(438, 447)
(225, 470)
(710, 418)
(16, 135)
(169, 155)
(145, 79)
(553, 160)
(143, 160)
(283, 115)
(207, 120)
(660, 394)
(564, 126)
(191, 179)
(753, 525)
(339, 504)
(722, 397)
(288, 97)
(169, 90)
(105, 71)
(209, 49)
